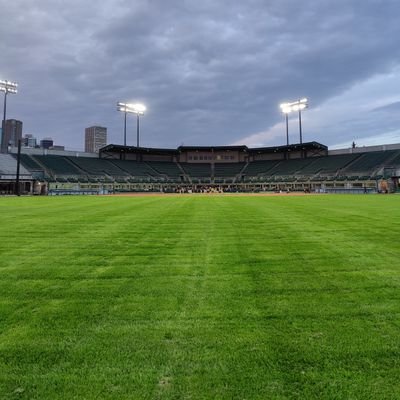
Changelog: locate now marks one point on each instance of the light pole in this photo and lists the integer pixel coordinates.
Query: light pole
(298, 105)
(137, 109)
(123, 107)
(285, 108)
(6, 87)
(17, 184)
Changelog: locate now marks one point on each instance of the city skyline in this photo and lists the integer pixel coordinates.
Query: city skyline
(14, 131)
(209, 74)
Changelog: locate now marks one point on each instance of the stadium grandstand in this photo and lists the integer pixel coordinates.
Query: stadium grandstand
(8, 168)
(298, 167)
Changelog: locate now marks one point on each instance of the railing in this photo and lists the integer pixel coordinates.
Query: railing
(63, 192)
(366, 190)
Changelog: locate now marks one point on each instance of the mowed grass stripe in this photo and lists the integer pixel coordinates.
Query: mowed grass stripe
(199, 297)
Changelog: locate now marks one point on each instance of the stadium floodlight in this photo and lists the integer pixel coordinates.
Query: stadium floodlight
(6, 87)
(298, 106)
(137, 109)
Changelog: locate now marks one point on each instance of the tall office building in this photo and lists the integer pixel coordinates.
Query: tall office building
(12, 132)
(95, 138)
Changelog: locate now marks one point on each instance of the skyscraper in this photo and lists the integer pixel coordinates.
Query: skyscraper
(12, 132)
(95, 138)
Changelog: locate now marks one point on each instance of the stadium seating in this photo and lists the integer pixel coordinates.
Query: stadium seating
(57, 165)
(259, 167)
(290, 167)
(97, 166)
(170, 169)
(30, 163)
(8, 166)
(395, 161)
(134, 168)
(38, 171)
(197, 170)
(228, 169)
(328, 165)
(369, 162)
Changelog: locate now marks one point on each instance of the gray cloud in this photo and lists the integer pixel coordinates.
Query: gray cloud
(388, 108)
(210, 72)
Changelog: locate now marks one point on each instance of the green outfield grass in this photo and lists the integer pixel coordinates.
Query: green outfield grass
(200, 297)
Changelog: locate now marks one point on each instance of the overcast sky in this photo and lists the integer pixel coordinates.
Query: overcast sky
(210, 72)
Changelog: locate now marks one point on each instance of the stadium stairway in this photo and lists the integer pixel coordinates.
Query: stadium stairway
(258, 168)
(167, 170)
(58, 167)
(186, 177)
(36, 169)
(48, 174)
(239, 176)
(390, 162)
(331, 165)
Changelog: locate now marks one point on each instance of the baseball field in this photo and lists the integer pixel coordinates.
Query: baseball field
(200, 297)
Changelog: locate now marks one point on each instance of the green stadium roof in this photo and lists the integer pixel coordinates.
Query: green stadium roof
(243, 148)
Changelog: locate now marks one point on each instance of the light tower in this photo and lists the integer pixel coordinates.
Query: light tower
(137, 109)
(286, 108)
(6, 87)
